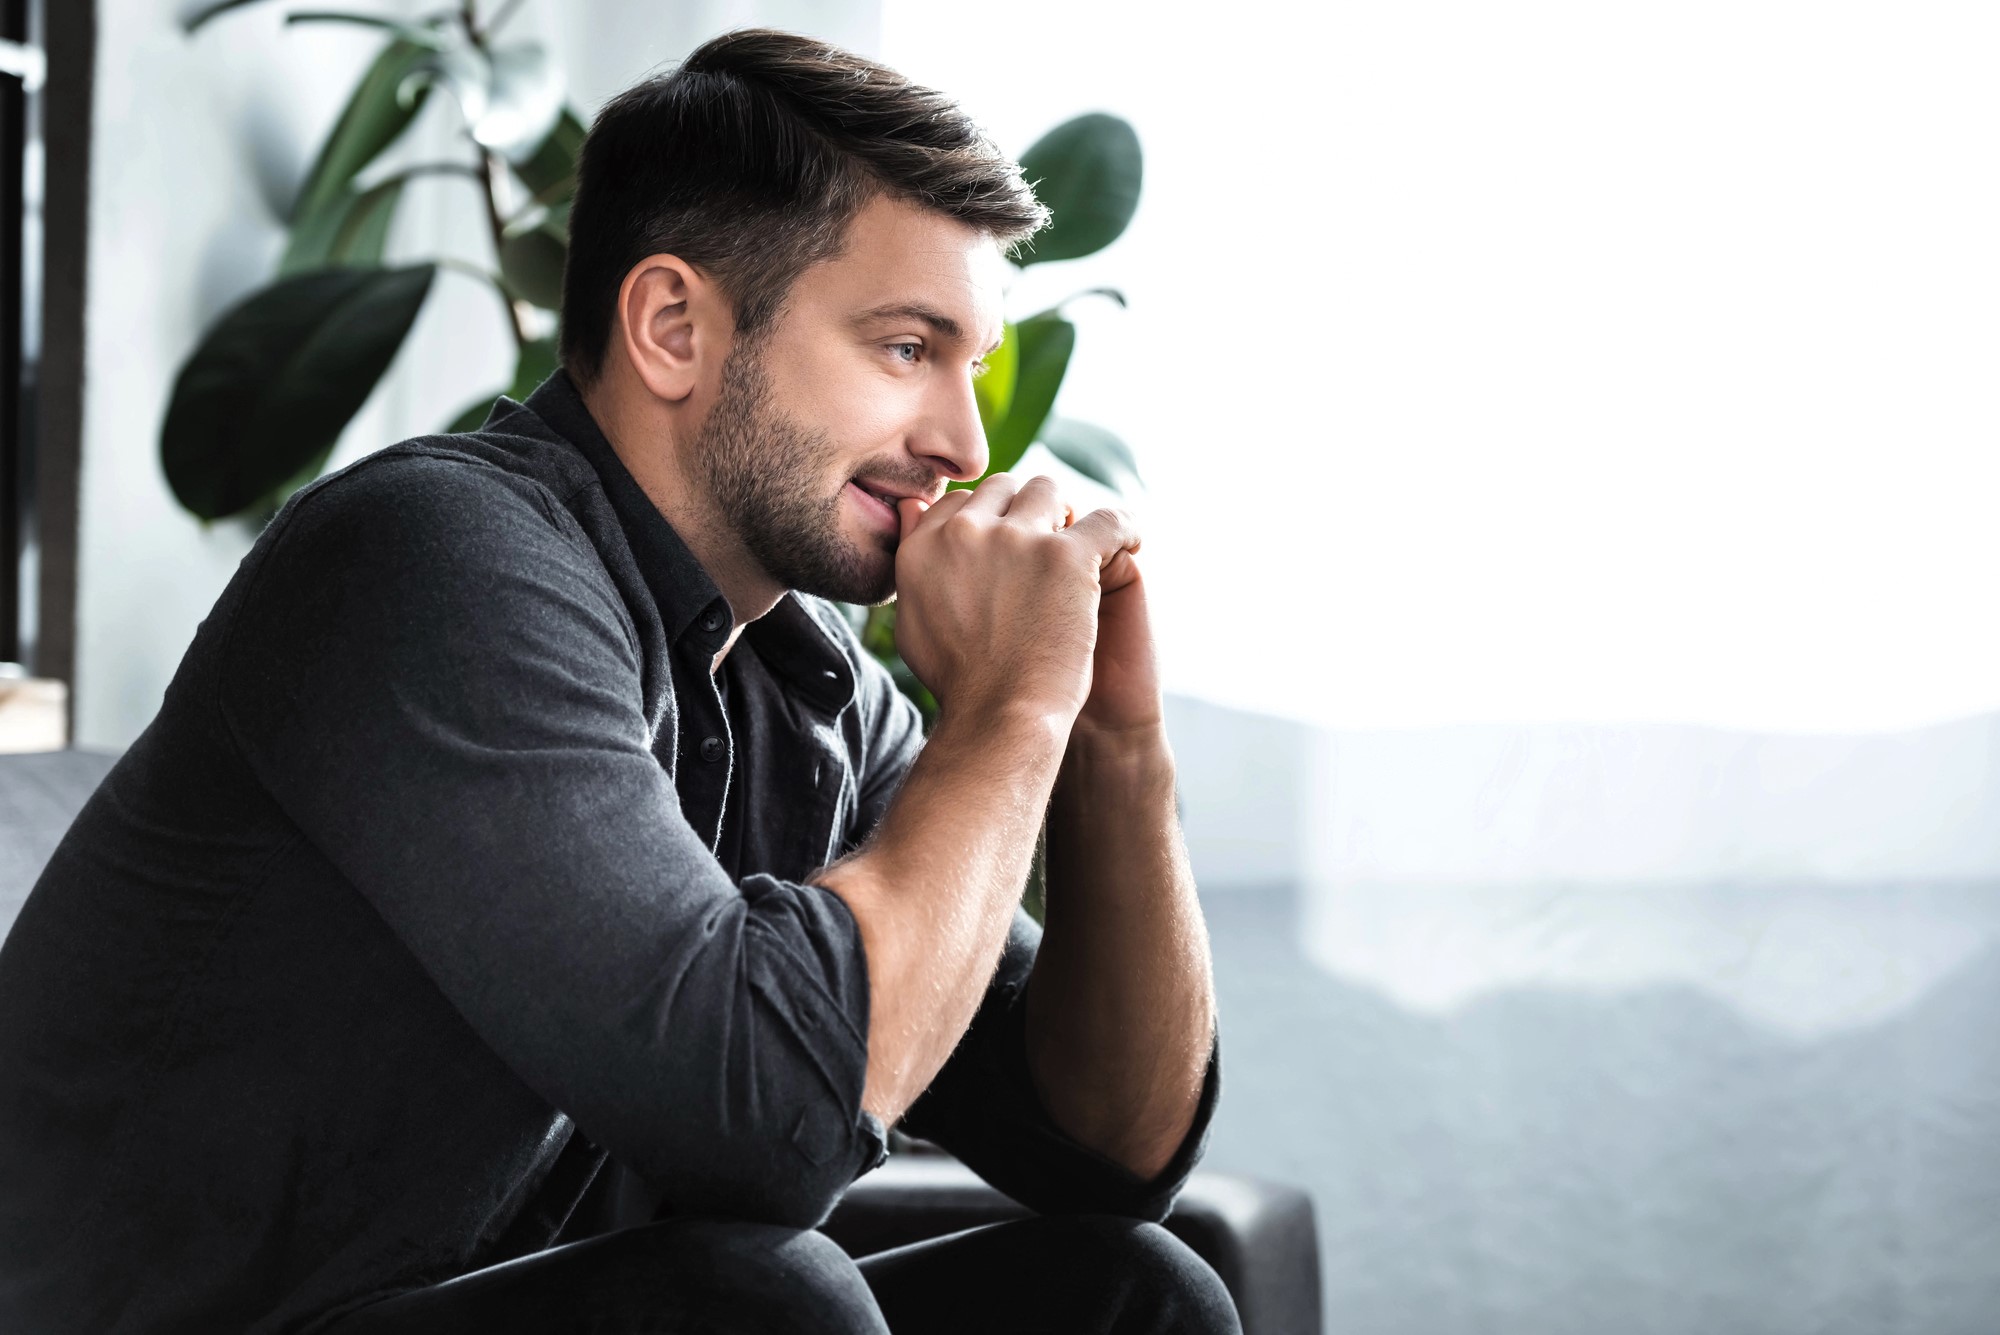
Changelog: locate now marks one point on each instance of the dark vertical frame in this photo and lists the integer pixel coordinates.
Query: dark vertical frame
(70, 31)
(17, 458)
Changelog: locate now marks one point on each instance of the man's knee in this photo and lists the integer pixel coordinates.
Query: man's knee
(770, 1280)
(1167, 1281)
(694, 1274)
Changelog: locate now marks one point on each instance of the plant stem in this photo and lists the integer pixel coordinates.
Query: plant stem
(501, 15)
(490, 172)
(489, 279)
(517, 312)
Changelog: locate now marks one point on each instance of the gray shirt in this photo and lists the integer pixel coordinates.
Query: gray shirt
(450, 909)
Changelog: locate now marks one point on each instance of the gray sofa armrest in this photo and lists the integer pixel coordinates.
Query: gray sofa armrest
(40, 794)
(1260, 1236)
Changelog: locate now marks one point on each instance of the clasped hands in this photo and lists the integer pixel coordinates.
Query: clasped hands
(1006, 600)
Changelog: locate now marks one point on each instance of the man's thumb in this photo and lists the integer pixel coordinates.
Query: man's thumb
(911, 511)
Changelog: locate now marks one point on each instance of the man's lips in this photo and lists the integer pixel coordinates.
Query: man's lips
(881, 499)
(879, 511)
(890, 493)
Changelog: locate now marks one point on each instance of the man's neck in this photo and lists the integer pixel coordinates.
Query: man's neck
(652, 456)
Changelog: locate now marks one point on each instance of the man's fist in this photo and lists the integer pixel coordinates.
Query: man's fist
(997, 594)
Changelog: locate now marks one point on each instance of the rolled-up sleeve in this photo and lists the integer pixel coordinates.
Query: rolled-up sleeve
(433, 676)
(982, 1105)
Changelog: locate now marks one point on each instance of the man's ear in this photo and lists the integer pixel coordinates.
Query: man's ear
(671, 323)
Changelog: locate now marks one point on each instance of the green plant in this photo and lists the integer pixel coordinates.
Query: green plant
(258, 406)
(1088, 171)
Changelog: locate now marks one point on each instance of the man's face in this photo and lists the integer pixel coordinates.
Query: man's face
(854, 391)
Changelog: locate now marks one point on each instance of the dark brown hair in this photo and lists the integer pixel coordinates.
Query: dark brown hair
(749, 159)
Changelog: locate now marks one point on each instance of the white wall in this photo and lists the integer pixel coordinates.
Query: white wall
(198, 145)
(607, 44)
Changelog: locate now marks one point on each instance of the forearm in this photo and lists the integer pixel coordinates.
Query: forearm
(1120, 1004)
(936, 885)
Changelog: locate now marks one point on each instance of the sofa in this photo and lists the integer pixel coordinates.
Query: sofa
(1260, 1236)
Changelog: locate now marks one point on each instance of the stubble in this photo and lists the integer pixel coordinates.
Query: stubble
(763, 470)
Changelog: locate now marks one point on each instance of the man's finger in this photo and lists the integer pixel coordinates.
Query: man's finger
(915, 513)
(1107, 531)
(995, 494)
(909, 513)
(1039, 504)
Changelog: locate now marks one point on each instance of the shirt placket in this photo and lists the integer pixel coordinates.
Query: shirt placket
(707, 749)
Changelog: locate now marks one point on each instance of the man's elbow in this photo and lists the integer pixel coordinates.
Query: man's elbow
(777, 1137)
(791, 1174)
(753, 1109)
(789, 1200)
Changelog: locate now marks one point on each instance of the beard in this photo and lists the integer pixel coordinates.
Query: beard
(761, 469)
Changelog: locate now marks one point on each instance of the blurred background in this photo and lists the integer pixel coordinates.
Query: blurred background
(1569, 441)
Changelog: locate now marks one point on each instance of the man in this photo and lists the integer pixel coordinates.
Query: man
(530, 908)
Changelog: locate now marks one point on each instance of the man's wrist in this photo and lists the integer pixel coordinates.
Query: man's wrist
(1106, 761)
(1005, 715)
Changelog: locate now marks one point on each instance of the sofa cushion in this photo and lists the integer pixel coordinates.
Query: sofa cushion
(1260, 1236)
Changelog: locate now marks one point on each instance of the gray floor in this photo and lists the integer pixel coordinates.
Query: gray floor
(1564, 1159)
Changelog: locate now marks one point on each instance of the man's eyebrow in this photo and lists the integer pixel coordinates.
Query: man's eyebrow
(916, 310)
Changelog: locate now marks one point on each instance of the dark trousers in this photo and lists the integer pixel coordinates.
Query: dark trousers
(1043, 1275)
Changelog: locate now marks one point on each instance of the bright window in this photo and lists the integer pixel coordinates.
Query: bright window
(1547, 361)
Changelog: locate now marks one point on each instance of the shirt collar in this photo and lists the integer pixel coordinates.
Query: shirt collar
(790, 638)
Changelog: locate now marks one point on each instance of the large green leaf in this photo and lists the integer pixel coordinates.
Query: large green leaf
(550, 171)
(1088, 171)
(279, 376)
(1045, 344)
(994, 389)
(375, 116)
(261, 511)
(537, 361)
(1091, 451)
(353, 229)
(531, 260)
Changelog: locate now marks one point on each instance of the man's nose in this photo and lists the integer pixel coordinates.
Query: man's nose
(958, 441)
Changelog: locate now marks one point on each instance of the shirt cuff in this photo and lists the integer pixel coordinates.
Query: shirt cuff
(1103, 1184)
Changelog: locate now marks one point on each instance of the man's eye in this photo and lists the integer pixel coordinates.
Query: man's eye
(979, 368)
(914, 347)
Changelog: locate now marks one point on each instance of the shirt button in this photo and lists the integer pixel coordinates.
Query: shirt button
(711, 620)
(711, 749)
